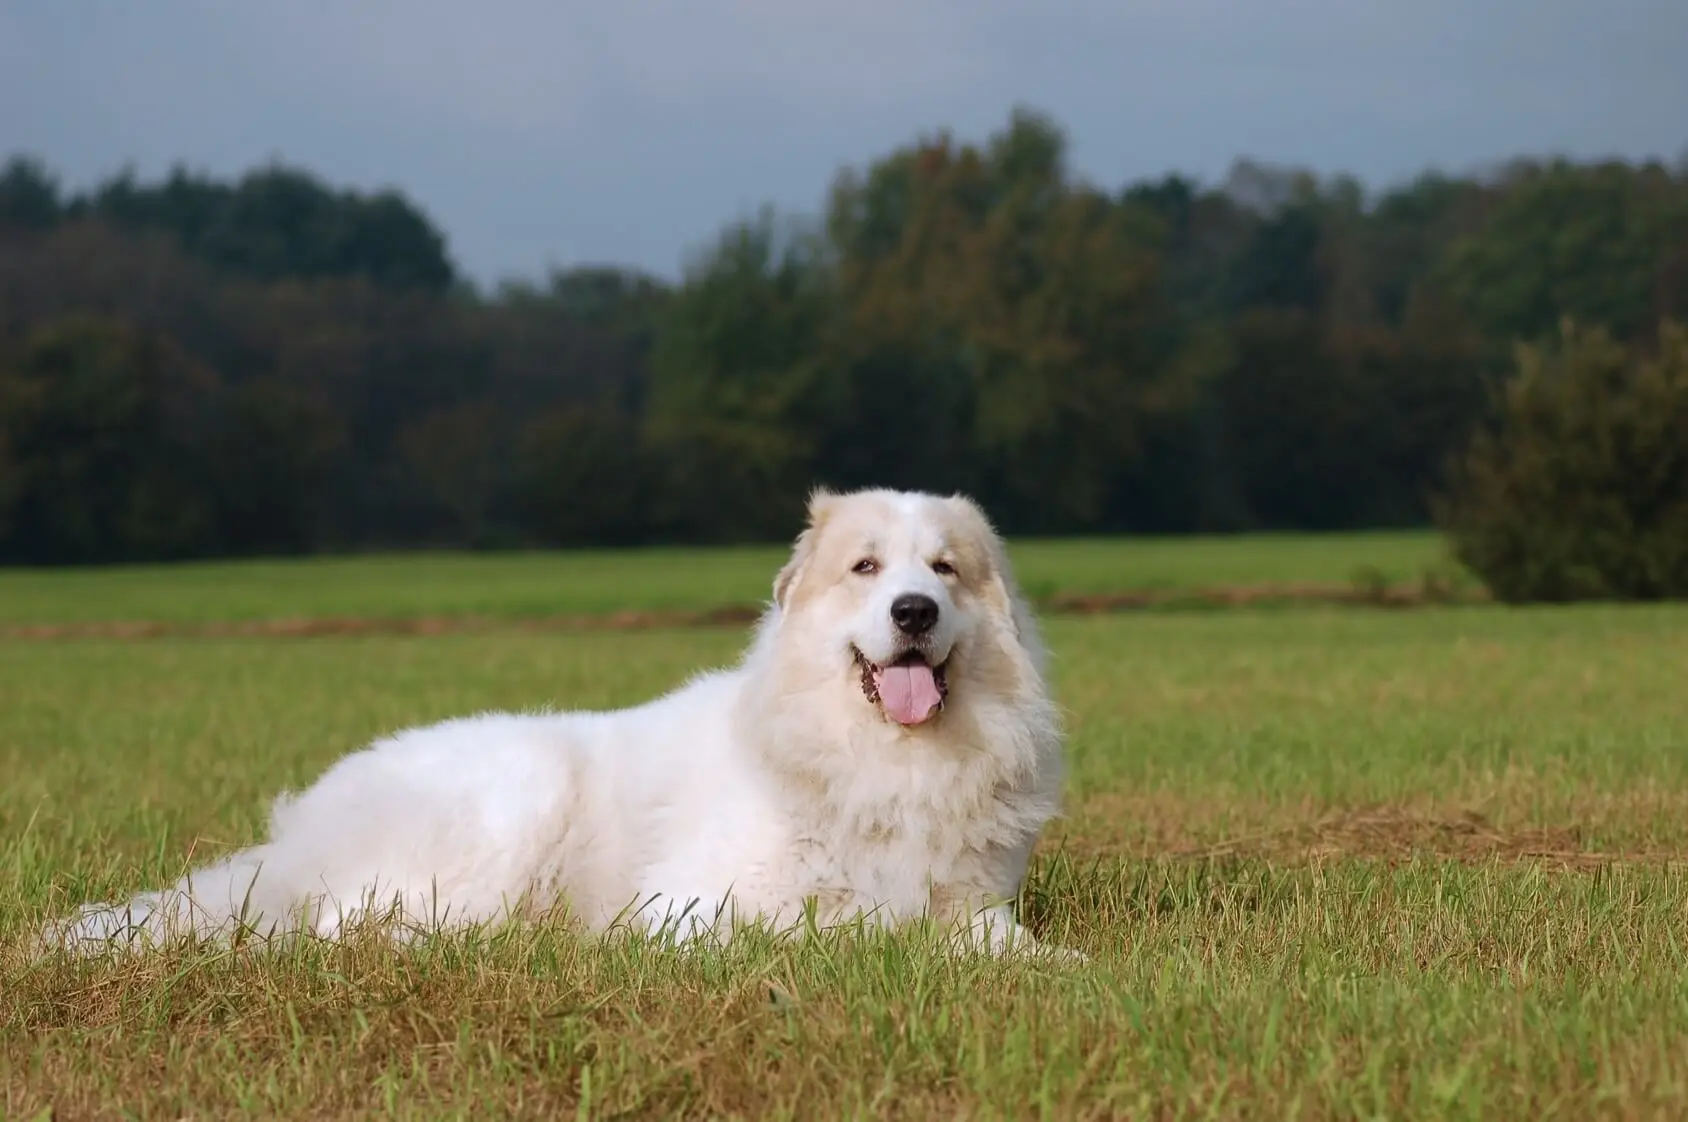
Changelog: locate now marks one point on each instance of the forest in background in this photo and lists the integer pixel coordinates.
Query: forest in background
(191, 367)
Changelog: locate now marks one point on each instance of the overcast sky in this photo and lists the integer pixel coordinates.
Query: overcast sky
(556, 132)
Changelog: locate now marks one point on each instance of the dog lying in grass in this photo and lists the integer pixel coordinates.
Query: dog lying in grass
(886, 750)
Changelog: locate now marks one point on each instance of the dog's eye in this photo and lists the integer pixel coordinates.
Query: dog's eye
(865, 566)
(943, 568)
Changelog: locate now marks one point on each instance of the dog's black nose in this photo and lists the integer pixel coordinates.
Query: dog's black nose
(913, 613)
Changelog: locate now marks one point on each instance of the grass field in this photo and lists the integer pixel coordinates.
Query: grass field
(506, 585)
(1327, 862)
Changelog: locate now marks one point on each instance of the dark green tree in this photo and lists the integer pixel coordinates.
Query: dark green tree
(108, 428)
(29, 195)
(1591, 243)
(1579, 491)
(738, 385)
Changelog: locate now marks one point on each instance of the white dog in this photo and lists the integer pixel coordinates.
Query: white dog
(886, 749)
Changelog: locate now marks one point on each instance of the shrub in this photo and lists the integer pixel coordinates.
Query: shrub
(1579, 489)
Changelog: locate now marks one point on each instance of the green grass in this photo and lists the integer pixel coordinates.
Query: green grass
(1326, 863)
(505, 585)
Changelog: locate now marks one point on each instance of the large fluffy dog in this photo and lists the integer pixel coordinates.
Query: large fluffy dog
(886, 749)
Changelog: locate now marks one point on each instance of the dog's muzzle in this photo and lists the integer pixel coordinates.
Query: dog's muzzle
(910, 690)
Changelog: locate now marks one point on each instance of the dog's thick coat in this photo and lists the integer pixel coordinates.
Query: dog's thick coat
(886, 749)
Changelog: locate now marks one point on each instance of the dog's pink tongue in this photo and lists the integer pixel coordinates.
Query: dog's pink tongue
(909, 693)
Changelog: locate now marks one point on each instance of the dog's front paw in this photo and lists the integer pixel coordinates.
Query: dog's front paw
(995, 931)
(1063, 956)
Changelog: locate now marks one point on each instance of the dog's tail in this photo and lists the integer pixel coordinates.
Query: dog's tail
(210, 902)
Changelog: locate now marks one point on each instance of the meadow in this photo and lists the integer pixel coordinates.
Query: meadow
(1327, 861)
(515, 586)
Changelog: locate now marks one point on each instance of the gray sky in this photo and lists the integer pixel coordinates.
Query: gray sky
(556, 132)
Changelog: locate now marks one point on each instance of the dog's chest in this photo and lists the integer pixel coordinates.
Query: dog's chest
(893, 863)
(885, 872)
(893, 848)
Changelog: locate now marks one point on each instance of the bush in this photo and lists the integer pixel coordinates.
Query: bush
(1579, 490)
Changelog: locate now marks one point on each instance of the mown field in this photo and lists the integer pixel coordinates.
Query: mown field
(539, 585)
(1327, 862)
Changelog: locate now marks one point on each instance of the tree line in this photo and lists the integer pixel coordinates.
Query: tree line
(190, 367)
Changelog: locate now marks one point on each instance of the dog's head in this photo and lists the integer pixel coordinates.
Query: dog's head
(908, 598)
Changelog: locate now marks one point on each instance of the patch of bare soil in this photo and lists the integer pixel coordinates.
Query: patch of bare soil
(1359, 594)
(730, 615)
(305, 627)
(1392, 833)
(1179, 830)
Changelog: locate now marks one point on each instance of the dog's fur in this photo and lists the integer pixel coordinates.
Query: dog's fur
(752, 793)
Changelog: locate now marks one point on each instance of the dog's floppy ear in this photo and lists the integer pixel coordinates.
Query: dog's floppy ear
(1001, 587)
(820, 506)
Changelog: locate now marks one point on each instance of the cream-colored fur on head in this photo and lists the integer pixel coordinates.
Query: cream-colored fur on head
(886, 749)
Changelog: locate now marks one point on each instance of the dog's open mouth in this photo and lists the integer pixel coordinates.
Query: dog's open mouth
(910, 690)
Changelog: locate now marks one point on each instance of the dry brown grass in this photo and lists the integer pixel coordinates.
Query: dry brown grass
(1181, 828)
(1326, 864)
